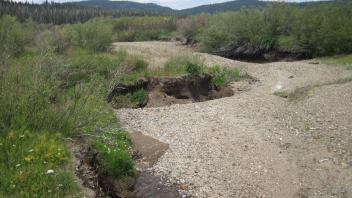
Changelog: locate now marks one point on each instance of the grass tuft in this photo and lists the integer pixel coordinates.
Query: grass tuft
(113, 150)
(223, 75)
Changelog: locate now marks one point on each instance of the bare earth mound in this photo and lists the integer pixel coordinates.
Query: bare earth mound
(256, 144)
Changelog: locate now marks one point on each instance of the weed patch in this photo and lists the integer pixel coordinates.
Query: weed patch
(113, 149)
(32, 164)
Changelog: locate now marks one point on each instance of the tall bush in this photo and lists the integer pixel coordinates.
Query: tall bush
(11, 38)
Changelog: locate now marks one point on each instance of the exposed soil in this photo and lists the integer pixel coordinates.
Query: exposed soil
(165, 91)
(254, 144)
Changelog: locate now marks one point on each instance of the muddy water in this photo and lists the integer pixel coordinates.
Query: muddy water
(149, 150)
(149, 185)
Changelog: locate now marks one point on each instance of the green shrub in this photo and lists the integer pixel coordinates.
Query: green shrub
(224, 75)
(94, 35)
(11, 38)
(317, 30)
(140, 96)
(288, 44)
(190, 27)
(194, 68)
(243, 27)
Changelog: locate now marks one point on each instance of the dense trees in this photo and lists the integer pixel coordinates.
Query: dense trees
(56, 13)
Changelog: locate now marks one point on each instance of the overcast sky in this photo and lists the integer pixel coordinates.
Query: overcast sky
(176, 4)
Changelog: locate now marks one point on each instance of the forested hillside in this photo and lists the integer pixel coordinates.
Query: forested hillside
(212, 8)
(125, 6)
(57, 13)
(73, 12)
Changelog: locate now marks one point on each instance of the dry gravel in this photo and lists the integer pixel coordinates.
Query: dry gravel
(255, 144)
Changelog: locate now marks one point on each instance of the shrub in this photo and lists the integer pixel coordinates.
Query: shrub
(224, 75)
(288, 44)
(190, 27)
(317, 30)
(140, 96)
(11, 38)
(236, 28)
(194, 68)
(94, 35)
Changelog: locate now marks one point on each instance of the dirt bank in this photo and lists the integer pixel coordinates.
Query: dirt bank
(165, 91)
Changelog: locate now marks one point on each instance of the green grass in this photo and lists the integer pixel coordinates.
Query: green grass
(176, 66)
(341, 60)
(38, 112)
(27, 159)
(113, 148)
(223, 75)
(173, 67)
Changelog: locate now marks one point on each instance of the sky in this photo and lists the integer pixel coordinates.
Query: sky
(176, 4)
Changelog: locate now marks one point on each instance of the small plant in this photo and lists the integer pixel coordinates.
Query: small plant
(140, 96)
(224, 75)
(131, 100)
(193, 68)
